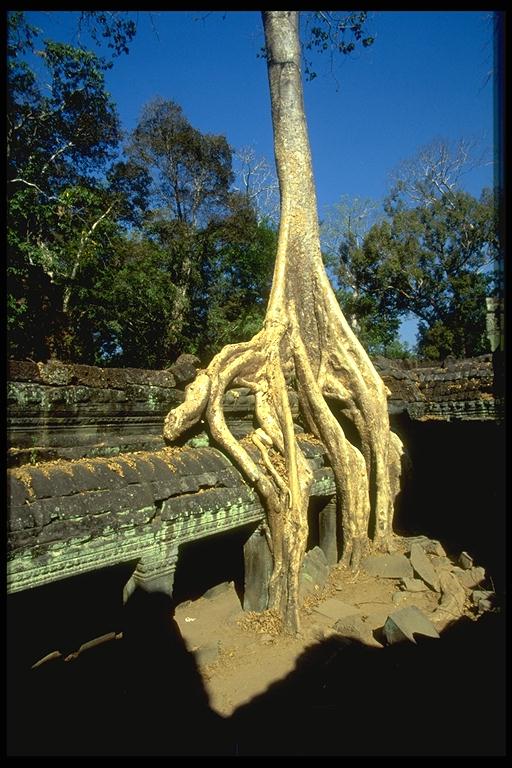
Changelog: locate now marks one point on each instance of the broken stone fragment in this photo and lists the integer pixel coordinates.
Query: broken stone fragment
(423, 567)
(393, 566)
(399, 597)
(441, 562)
(355, 628)
(483, 599)
(220, 589)
(405, 623)
(465, 561)
(430, 546)
(414, 585)
(314, 571)
(453, 598)
(184, 369)
(335, 609)
(471, 577)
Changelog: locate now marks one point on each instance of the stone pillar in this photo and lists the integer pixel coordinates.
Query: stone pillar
(154, 573)
(258, 564)
(327, 531)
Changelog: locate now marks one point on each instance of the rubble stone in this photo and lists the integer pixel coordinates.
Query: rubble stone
(405, 623)
(423, 567)
(414, 585)
(393, 566)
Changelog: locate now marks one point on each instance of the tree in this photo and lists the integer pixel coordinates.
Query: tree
(305, 337)
(258, 184)
(434, 172)
(371, 316)
(191, 174)
(432, 261)
(60, 211)
(239, 252)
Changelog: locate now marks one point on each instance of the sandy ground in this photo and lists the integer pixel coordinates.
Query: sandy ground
(240, 655)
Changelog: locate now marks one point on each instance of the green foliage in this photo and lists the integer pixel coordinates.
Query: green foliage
(191, 171)
(118, 32)
(237, 276)
(432, 261)
(131, 304)
(327, 31)
(61, 139)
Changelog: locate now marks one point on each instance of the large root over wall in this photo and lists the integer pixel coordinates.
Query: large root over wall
(305, 338)
(338, 370)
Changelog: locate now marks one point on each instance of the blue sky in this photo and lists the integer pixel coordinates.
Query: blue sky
(426, 76)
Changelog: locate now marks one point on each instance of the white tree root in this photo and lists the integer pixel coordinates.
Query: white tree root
(340, 375)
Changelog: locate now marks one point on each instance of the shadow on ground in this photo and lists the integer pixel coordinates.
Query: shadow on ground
(143, 695)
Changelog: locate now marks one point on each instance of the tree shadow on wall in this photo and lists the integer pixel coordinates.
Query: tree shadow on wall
(141, 695)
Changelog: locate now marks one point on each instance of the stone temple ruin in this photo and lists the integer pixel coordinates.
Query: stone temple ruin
(91, 483)
(103, 518)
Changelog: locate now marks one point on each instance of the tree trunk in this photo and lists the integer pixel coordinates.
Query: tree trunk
(305, 335)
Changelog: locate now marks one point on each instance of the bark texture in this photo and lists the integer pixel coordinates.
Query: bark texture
(306, 338)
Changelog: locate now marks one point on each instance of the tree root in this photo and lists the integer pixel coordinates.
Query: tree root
(260, 364)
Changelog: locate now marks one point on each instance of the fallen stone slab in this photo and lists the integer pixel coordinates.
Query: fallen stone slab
(471, 577)
(465, 561)
(405, 623)
(356, 628)
(220, 601)
(336, 609)
(314, 571)
(423, 567)
(219, 589)
(413, 585)
(453, 599)
(430, 546)
(394, 566)
(483, 599)
(441, 562)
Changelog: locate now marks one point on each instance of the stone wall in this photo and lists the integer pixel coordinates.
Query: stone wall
(74, 411)
(92, 483)
(70, 517)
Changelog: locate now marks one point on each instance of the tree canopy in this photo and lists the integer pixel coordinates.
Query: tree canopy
(163, 212)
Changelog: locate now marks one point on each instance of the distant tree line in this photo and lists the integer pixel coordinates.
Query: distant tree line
(131, 252)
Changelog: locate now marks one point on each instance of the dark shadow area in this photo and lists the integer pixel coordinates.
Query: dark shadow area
(203, 564)
(315, 507)
(141, 695)
(439, 697)
(456, 492)
(63, 615)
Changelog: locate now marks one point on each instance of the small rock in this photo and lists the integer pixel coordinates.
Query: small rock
(405, 623)
(441, 562)
(335, 609)
(453, 598)
(423, 567)
(314, 571)
(430, 546)
(398, 597)
(481, 594)
(393, 566)
(414, 585)
(219, 589)
(483, 599)
(471, 577)
(465, 561)
(354, 628)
